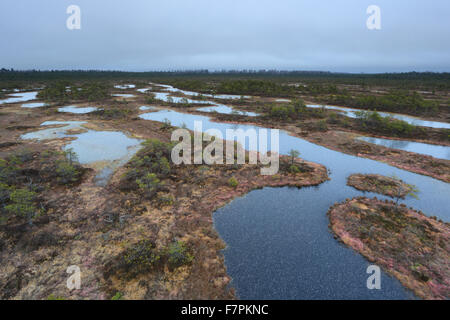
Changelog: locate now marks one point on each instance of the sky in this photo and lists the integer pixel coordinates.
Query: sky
(154, 35)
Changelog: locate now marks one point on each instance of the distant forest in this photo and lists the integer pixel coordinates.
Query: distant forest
(426, 80)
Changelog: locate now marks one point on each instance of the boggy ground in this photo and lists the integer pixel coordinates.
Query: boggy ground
(105, 230)
(343, 140)
(109, 231)
(407, 244)
(332, 130)
(389, 186)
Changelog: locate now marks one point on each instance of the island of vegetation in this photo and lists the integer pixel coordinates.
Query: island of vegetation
(389, 186)
(406, 243)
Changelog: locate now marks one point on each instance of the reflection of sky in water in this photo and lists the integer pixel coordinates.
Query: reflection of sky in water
(146, 108)
(33, 105)
(217, 107)
(125, 86)
(165, 96)
(123, 95)
(20, 97)
(53, 133)
(221, 108)
(441, 152)
(262, 228)
(283, 100)
(92, 146)
(193, 93)
(77, 110)
(351, 113)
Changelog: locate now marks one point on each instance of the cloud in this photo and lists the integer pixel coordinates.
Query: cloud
(145, 35)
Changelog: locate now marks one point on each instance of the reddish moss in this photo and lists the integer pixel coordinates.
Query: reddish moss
(407, 244)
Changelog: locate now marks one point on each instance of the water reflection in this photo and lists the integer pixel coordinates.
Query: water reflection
(77, 110)
(20, 97)
(279, 244)
(440, 152)
(351, 113)
(110, 148)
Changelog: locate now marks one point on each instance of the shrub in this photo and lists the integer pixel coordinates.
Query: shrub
(141, 257)
(166, 124)
(22, 203)
(293, 154)
(67, 173)
(232, 182)
(374, 121)
(149, 185)
(8, 172)
(163, 200)
(117, 296)
(178, 255)
(5, 192)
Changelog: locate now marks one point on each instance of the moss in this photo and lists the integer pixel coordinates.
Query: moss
(405, 243)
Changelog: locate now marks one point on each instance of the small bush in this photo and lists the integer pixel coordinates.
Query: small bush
(67, 173)
(117, 296)
(178, 255)
(149, 185)
(22, 203)
(141, 257)
(232, 182)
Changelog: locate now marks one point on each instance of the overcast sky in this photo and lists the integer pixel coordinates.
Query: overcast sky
(143, 35)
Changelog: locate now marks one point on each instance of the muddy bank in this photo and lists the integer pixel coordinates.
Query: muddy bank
(405, 243)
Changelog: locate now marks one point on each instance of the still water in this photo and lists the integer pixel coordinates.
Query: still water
(278, 242)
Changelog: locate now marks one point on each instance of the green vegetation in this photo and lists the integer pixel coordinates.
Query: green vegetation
(149, 185)
(112, 113)
(141, 257)
(144, 257)
(395, 101)
(22, 204)
(390, 186)
(178, 255)
(232, 182)
(24, 175)
(148, 167)
(292, 111)
(166, 124)
(254, 87)
(117, 296)
(293, 154)
(290, 165)
(64, 91)
(373, 121)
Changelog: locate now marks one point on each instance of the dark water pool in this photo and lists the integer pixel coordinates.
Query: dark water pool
(279, 245)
